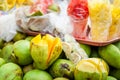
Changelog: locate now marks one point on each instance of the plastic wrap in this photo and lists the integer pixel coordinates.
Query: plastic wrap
(33, 23)
(61, 20)
(56, 23)
(101, 19)
(8, 27)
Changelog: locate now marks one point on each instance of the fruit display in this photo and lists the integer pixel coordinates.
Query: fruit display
(41, 57)
(36, 44)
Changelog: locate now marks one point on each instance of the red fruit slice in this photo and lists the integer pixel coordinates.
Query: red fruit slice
(78, 11)
(41, 5)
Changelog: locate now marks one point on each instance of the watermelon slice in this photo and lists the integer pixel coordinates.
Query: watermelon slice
(78, 12)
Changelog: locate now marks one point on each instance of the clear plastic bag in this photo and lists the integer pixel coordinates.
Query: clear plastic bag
(56, 23)
(8, 27)
(35, 23)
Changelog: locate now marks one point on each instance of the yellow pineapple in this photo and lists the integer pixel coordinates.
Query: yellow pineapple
(114, 31)
(101, 19)
(116, 3)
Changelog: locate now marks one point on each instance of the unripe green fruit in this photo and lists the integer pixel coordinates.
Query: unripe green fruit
(10, 71)
(111, 78)
(62, 68)
(7, 53)
(19, 36)
(2, 61)
(21, 50)
(87, 48)
(37, 75)
(111, 54)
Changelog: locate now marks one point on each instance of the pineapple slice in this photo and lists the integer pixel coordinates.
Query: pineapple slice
(101, 19)
(114, 31)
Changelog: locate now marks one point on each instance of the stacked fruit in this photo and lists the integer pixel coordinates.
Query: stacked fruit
(41, 58)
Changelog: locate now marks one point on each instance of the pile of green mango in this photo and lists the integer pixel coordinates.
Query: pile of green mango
(42, 58)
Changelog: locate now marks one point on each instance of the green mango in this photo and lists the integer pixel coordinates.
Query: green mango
(111, 78)
(62, 68)
(37, 75)
(10, 71)
(117, 44)
(91, 69)
(115, 73)
(7, 53)
(8, 43)
(86, 47)
(19, 36)
(111, 54)
(21, 51)
(2, 61)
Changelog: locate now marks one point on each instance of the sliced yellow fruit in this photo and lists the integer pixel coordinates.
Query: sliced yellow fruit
(36, 39)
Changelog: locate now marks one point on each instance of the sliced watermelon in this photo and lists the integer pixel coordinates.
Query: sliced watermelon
(78, 11)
